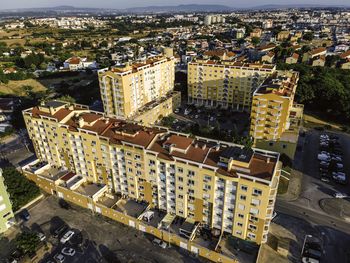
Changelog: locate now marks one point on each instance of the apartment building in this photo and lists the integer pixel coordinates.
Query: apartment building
(126, 89)
(225, 83)
(7, 219)
(217, 184)
(274, 111)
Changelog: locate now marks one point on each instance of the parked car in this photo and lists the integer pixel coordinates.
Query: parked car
(177, 110)
(68, 235)
(339, 195)
(325, 179)
(323, 157)
(63, 203)
(68, 251)
(187, 111)
(159, 242)
(41, 236)
(25, 215)
(61, 229)
(59, 258)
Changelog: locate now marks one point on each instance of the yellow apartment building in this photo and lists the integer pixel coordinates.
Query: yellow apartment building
(275, 119)
(207, 183)
(7, 218)
(125, 90)
(225, 83)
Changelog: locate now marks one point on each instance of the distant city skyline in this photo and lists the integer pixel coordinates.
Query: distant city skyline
(117, 4)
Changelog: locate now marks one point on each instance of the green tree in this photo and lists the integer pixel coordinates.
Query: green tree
(20, 189)
(27, 242)
(308, 36)
(67, 98)
(255, 41)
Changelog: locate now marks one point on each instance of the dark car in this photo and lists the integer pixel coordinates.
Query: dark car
(25, 215)
(61, 229)
(63, 204)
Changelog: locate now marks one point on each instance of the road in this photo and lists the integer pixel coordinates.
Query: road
(312, 216)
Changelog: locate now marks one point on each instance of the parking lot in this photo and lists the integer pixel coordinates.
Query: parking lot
(200, 120)
(97, 239)
(317, 181)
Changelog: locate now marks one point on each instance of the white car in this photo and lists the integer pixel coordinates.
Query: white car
(323, 157)
(159, 242)
(187, 111)
(68, 251)
(339, 195)
(340, 165)
(41, 236)
(177, 110)
(59, 258)
(68, 235)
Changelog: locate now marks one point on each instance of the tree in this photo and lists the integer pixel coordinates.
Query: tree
(27, 242)
(255, 41)
(20, 189)
(308, 36)
(67, 98)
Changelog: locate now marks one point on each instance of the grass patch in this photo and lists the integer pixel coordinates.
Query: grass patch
(17, 87)
(283, 186)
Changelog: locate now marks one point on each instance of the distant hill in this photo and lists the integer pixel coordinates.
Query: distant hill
(180, 8)
(271, 7)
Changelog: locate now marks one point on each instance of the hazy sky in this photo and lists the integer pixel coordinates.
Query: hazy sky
(5, 4)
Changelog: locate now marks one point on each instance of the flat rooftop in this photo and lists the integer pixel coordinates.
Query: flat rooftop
(89, 189)
(131, 207)
(281, 82)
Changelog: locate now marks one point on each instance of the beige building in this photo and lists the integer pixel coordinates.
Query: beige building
(283, 35)
(292, 59)
(88, 158)
(225, 83)
(125, 90)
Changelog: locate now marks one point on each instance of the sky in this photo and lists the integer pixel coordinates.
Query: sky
(120, 4)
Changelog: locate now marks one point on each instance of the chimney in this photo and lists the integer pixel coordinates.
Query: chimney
(81, 122)
(268, 160)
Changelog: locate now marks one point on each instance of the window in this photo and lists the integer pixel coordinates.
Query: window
(271, 144)
(244, 188)
(181, 179)
(251, 235)
(257, 191)
(255, 201)
(241, 216)
(254, 211)
(191, 173)
(239, 232)
(239, 224)
(180, 170)
(252, 227)
(243, 197)
(241, 207)
(284, 146)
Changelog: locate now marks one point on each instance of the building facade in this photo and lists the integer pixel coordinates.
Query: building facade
(275, 117)
(7, 219)
(220, 185)
(225, 83)
(124, 90)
